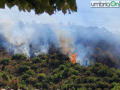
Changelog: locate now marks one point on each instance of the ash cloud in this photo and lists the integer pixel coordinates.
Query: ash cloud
(35, 38)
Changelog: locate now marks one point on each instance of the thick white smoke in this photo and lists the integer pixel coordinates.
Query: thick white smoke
(35, 38)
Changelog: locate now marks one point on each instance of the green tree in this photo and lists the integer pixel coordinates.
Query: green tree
(41, 77)
(23, 68)
(14, 84)
(30, 72)
(25, 76)
(36, 60)
(41, 6)
(5, 77)
(116, 86)
(19, 56)
(5, 61)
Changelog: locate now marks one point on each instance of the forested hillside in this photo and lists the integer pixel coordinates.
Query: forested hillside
(54, 71)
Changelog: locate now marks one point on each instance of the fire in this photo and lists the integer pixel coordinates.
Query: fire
(73, 58)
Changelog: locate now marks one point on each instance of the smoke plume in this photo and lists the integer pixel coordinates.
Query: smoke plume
(90, 43)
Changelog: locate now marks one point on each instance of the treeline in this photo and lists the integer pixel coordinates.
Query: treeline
(41, 6)
(52, 72)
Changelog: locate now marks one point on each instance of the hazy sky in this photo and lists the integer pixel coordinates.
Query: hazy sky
(85, 16)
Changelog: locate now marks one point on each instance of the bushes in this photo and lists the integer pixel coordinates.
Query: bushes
(62, 67)
(25, 76)
(36, 60)
(34, 66)
(19, 56)
(14, 84)
(30, 72)
(107, 79)
(23, 68)
(5, 77)
(91, 79)
(79, 68)
(41, 77)
(115, 78)
(5, 61)
(54, 63)
(101, 84)
(32, 80)
(88, 72)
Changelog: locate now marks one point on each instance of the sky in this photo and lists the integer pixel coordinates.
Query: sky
(85, 16)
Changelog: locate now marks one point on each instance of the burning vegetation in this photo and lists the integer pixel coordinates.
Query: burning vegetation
(73, 60)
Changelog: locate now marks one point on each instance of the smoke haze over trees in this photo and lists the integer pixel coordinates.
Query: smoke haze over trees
(34, 38)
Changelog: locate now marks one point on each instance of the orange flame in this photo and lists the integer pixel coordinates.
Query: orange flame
(73, 58)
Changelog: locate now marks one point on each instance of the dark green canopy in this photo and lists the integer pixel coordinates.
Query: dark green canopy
(40, 6)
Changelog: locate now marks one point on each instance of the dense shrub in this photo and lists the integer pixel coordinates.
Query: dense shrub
(41, 77)
(62, 67)
(23, 68)
(56, 63)
(88, 72)
(115, 78)
(34, 66)
(93, 85)
(14, 84)
(3, 67)
(79, 68)
(55, 71)
(36, 60)
(5, 77)
(30, 72)
(107, 79)
(91, 79)
(5, 61)
(43, 65)
(25, 76)
(32, 80)
(19, 56)
(78, 80)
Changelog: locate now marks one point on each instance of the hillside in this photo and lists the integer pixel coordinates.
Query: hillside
(54, 71)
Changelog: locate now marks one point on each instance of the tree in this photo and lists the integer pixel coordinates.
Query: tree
(23, 68)
(14, 84)
(41, 77)
(5, 61)
(41, 6)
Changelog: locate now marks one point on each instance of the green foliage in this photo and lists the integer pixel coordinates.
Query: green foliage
(14, 84)
(3, 67)
(88, 72)
(115, 78)
(23, 68)
(41, 77)
(91, 79)
(31, 80)
(107, 79)
(41, 6)
(5, 77)
(19, 57)
(25, 76)
(5, 61)
(56, 63)
(30, 72)
(58, 74)
(77, 67)
(61, 67)
(118, 73)
(36, 60)
(116, 86)
(34, 66)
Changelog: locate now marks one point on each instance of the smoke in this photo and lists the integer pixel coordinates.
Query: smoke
(35, 38)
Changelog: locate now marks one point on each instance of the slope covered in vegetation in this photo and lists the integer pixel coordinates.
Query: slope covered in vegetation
(54, 71)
